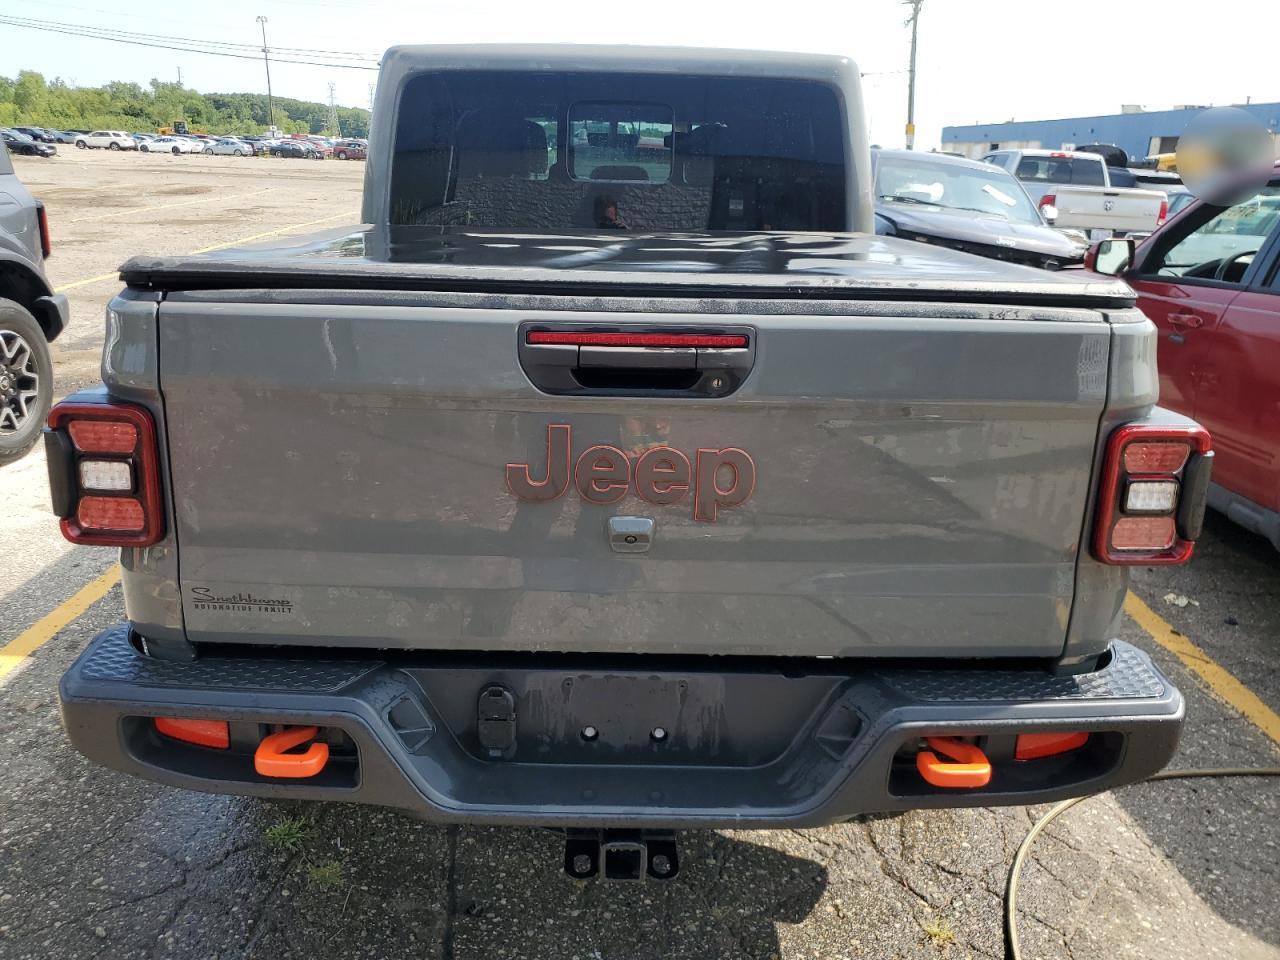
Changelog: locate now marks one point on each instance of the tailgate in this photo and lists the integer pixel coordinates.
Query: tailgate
(1100, 208)
(887, 480)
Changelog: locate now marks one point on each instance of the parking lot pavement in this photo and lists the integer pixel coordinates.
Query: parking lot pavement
(107, 206)
(97, 864)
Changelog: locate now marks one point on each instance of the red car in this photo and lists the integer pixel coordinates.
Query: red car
(1210, 281)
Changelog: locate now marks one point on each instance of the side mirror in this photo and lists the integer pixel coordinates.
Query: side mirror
(1111, 257)
(1050, 213)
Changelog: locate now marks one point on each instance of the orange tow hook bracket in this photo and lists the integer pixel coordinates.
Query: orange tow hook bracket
(970, 768)
(271, 760)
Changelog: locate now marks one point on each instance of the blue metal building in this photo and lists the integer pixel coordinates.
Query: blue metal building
(1140, 133)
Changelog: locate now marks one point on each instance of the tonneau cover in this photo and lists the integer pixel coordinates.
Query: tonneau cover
(745, 265)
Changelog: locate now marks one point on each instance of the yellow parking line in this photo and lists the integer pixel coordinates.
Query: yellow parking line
(81, 283)
(274, 233)
(167, 206)
(43, 630)
(352, 215)
(1219, 679)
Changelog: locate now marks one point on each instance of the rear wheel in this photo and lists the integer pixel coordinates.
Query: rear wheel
(26, 380)
(113, 145)
(239, 153)
(342, 154)
(209, 151)
(144, 148)
(81, 145)
(176, 150)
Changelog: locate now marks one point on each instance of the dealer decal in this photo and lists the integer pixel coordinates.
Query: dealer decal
(202, 598)
(604, 474)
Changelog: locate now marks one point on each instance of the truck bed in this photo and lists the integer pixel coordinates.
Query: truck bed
(921, 427)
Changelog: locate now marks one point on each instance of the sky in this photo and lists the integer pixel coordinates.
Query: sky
(979, 61)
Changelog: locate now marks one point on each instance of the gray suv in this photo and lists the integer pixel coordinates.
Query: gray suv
(31, 315)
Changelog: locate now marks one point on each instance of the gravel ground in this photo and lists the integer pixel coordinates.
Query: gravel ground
(96, 864)
(106, 206)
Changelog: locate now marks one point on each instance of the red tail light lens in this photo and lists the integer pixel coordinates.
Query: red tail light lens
(103, 436)
(1143, 483)
(111, 513)
(1143, 533)
(1048, 200)
(1164, 212)
(108, 475)
(46, 242)
(1163, 457)
(635, 339)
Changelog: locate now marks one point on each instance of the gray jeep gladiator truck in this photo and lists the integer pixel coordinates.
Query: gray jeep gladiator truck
(31, 315)
(614, 475)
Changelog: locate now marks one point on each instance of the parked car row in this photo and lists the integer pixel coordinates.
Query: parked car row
(18, 142)
(42, 141)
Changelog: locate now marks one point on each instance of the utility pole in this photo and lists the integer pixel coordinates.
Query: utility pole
(266, 59)
(179, 76)
(913, 23)
(335, 129)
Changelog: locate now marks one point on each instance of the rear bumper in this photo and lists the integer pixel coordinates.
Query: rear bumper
(744, 744)
(54, 313)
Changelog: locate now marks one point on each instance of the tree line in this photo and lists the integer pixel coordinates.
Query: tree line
(31, 101)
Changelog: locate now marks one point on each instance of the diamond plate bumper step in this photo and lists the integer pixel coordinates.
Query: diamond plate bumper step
(624, 742)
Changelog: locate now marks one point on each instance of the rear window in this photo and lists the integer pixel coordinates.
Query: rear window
(544, 151)
(1077, 170)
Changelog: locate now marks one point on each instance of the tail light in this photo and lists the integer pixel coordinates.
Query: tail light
(104, 474)
(46, 241)
(1164, 212)
(1155, 481)
(1048, 200)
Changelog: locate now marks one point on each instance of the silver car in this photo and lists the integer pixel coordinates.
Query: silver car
(229, 146)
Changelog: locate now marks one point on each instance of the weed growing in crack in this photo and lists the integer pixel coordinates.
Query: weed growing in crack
(939, 933)
(327, 874)
(287, 834)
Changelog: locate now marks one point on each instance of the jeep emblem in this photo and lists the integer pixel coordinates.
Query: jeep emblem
(604, 474)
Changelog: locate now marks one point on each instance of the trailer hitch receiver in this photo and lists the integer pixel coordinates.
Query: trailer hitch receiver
(621, 854)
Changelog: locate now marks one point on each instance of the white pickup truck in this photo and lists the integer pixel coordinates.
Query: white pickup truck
(1078, 188)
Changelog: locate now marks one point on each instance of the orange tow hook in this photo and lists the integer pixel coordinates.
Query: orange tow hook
(970, 769)
(271, 760)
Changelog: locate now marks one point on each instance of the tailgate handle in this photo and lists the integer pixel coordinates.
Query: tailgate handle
(593, 361)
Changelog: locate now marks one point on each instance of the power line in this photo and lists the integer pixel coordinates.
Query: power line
(115, 31)
(95, 33)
